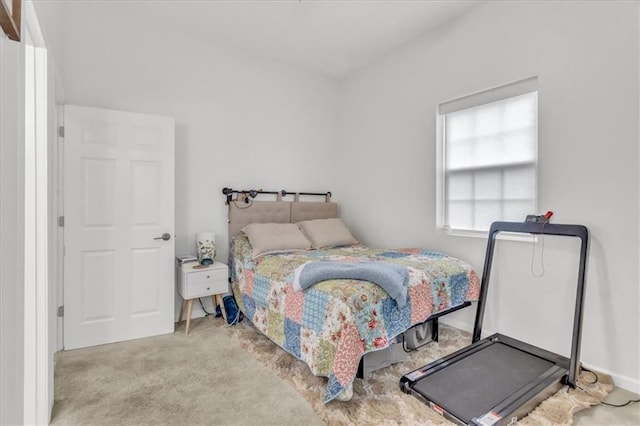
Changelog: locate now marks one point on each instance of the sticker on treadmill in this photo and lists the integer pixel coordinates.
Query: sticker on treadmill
(414, 375)
(437, 408)
(489, 419)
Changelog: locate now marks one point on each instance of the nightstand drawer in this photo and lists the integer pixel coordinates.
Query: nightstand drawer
(205, 284)
(196, 282)
(210, 274)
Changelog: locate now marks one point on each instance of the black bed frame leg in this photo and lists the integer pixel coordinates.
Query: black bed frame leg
(434, 330)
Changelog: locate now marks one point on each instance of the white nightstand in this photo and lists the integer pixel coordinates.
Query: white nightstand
(194, 282)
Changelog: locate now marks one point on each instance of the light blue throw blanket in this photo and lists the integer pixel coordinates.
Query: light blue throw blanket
(394, 279)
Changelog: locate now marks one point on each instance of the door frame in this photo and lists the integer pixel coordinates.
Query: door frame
(38, 350)
(59, 213)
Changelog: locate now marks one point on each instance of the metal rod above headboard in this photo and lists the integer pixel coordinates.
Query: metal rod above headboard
(253, 193)
(244, 210)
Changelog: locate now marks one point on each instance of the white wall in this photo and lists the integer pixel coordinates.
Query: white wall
(11, 230)
(240, 121)
(585, 55)
(246, 122)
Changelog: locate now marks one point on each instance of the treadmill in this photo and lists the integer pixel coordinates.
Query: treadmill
(498, 380)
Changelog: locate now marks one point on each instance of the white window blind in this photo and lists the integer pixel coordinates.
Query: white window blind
(490, 157)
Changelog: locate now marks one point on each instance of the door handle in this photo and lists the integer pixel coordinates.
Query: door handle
(166, 237)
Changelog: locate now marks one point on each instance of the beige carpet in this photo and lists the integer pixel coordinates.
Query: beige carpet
(204, 378)
(216, 376)
(378, 399)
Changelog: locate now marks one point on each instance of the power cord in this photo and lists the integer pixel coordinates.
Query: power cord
(237, 319)
(595, 380)
(631, 401)
(206, 314)
(248, 203)
(533, 253)
(595, 376)
(239, 316)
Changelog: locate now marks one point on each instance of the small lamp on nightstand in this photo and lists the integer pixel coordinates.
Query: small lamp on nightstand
(206, 247)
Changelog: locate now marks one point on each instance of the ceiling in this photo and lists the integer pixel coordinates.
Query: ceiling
(332, 37)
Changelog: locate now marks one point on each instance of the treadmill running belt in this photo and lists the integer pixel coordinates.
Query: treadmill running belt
(476, 383)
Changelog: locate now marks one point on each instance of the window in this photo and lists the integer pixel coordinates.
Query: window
(488, 155)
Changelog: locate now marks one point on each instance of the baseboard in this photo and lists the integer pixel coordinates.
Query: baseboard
(464, 326)
(197, 311)
(460, 325)
(623, 382)
(627, 383)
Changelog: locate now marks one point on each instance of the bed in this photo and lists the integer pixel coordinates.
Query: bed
(332, 324)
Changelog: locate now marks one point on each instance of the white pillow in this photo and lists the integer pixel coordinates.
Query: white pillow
(268, 238)
(324, 233)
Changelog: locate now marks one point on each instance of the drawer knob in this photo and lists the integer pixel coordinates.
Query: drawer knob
(208, 288)
(207, 276)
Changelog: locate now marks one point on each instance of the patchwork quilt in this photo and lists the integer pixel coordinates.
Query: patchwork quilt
(332, 324)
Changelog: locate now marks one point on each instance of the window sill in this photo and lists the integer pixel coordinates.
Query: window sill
(509, 236)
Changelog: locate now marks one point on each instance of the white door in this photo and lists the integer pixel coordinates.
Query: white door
(118, 203)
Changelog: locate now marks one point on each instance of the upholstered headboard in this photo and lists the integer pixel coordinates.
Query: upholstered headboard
(242, 214)
(244, 210)
(301, 210)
